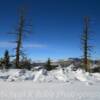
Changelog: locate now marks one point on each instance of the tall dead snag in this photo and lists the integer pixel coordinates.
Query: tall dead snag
(85, 43)
(19, 37)
(22, 28)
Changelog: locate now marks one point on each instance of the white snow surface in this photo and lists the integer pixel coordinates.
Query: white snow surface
(57, 75)
(58, 84)
(29, 90)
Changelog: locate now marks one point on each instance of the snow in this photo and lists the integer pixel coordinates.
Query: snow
(57, 75)
(58, 84)
(96, 76)
(94, 66)
(82, 76)
(48, 91)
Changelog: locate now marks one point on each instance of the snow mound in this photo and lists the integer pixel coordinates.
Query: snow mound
(70, 67)
(81, 75)
(58, 75)
(19, 75)
(44, 76)
(96, 76)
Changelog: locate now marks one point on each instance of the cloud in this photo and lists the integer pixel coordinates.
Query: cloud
(34, 46)
(6, 44)
(27, 45)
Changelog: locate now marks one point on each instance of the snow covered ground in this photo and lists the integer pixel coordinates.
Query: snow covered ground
(48, 91)
(59, 84)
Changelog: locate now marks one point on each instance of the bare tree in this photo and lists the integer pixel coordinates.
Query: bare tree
(19, 37)
(21, 29)
(85, 44)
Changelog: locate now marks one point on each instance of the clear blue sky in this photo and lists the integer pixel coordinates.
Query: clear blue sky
(57, 27)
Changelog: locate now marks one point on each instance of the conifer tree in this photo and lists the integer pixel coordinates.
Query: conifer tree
(6, 59)
(48, 65)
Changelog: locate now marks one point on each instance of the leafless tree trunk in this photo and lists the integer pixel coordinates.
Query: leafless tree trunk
(22, 28)
(19, 39)
(86, 47)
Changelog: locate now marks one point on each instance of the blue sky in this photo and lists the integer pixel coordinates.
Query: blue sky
(57, 27)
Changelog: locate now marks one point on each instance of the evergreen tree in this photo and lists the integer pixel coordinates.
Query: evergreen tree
(48, 65)
(6, 59)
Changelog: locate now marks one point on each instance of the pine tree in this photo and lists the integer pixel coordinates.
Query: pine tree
(48, 65)
(6, 59)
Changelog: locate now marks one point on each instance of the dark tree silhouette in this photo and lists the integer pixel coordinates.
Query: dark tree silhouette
(19, 38)
(48, 65)
(21, 29)
(85, 44)
(6, 59)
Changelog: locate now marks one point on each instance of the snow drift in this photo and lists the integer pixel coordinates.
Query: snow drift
(58, 75)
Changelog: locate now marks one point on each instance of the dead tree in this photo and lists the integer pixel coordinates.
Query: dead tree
(22, 28)
(85, 43)
(19, 37)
